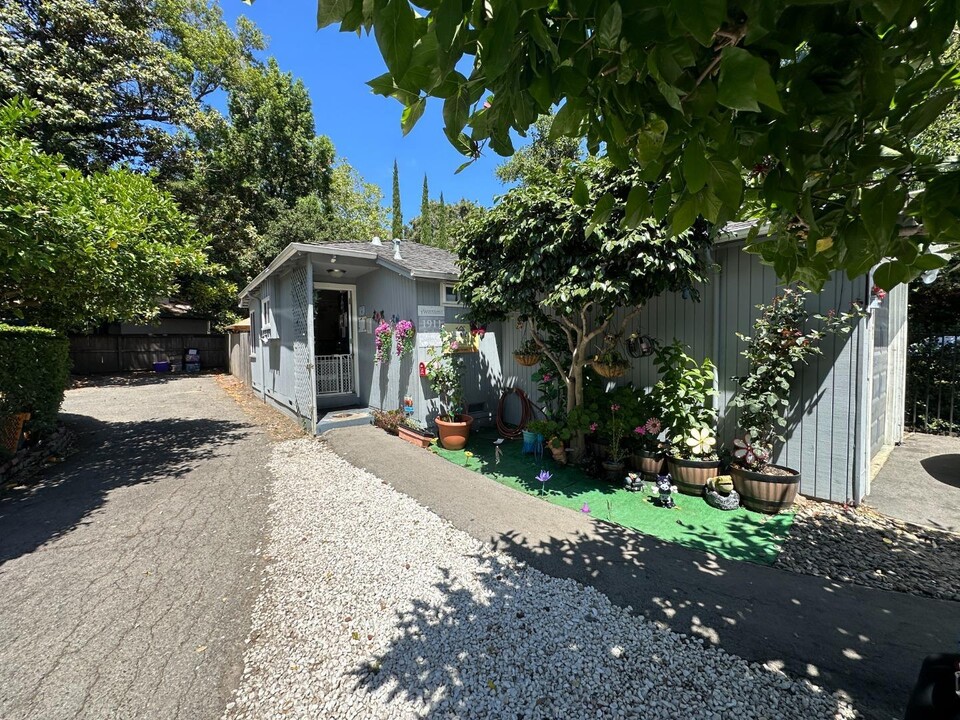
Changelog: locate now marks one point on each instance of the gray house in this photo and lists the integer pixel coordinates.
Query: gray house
(313, 313)
(312, 347)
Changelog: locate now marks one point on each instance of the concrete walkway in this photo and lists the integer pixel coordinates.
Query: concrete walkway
(867, 643)
(127, 575)
(920, 482)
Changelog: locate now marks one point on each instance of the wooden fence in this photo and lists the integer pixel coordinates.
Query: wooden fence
(238, 350)
(122, 353)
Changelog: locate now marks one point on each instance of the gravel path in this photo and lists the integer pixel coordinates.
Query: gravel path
(862, 546)
(374, 607)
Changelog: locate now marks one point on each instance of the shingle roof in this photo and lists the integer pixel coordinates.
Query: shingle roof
(414, 256)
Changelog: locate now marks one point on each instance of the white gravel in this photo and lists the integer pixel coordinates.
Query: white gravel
(374, 607)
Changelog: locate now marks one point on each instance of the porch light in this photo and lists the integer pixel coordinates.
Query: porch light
(336, 272)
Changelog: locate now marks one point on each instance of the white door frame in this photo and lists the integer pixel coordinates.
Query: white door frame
(352, 289)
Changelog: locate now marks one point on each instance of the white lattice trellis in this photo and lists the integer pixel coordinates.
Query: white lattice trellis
(334, 374)
(302, 352)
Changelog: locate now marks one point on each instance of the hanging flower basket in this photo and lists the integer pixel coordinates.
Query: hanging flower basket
(610, 370)
(404, 333)
(527, 359)
(383, 336)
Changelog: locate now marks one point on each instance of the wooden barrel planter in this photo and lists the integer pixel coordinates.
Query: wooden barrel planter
(648, 463)
(690, 476)
(766, 493)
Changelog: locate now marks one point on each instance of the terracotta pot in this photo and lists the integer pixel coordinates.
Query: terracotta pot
(690, 476)
(766, 493)
(413, 437)
(648, 463)
(11, 428)
(613, 471)
(454, 435)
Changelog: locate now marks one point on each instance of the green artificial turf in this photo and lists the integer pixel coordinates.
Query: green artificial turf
(736, 534)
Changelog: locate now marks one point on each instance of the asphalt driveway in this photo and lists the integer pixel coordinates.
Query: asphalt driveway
(127, 574)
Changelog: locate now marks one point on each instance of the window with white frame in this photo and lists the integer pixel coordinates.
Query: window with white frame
(449, 296)
(254, 331)
(266, 318)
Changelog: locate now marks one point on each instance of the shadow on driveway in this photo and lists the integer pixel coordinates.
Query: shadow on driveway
(109, 455)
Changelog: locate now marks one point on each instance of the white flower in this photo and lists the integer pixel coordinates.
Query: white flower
(701, 441)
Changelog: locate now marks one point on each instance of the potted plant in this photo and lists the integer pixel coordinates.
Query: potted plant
(647, 451)
(613, 465)
(528, 353)
(444, 371)
(388, 420)
(685, 393)
(610, 364)
(411, 431)
(780, 340)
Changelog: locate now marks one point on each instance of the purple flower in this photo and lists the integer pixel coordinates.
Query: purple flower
(544, 476)
(639, 430)
(585, 509)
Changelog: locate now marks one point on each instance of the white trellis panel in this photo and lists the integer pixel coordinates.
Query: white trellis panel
(302, 352)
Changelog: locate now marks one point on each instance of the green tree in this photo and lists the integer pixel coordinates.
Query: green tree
(426, 231)
(252, 166)
(119, 81)
(440, 238)
(397, 213)
(352, 211)
(815, 104)
(449, 223)
(84, 249)
(545, 153)
(542, 253)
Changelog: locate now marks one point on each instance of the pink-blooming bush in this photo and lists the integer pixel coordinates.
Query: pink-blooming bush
(404, 332)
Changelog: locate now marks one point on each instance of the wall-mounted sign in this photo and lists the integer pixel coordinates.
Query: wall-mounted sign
(460, 334)
(429, 318)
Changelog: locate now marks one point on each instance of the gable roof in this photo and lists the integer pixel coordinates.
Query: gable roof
(416, 259)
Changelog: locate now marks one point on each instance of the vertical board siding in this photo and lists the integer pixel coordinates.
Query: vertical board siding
(238, 351)
(822, 424)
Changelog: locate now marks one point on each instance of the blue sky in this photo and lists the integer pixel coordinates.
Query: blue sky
(365, 128)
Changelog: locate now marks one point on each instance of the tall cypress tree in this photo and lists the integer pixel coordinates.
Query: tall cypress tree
(397, 212)
(426, 225)
(441, 239)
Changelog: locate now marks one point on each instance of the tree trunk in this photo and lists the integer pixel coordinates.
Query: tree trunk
(575, 400)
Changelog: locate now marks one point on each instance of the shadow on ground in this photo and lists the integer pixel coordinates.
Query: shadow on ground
(133, 379)
(442, 662)
(943, 468)
(108, 455)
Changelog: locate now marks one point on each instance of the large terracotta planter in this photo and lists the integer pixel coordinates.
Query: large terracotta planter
(648, 463)
(454, 435)
(413, 437)
(690, 476)
(766, 493)
(11, 428)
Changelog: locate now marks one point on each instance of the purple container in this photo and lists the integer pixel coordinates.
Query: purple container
(161, 367)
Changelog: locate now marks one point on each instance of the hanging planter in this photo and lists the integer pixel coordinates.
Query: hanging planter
(610, 364)
(383, 336)
(528, 354)
(405, 332)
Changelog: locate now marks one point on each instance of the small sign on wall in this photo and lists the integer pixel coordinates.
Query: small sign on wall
(430, 319)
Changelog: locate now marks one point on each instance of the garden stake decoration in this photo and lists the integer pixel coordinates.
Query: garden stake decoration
(666, 489)
(585, 509)
(497, 451)
(634, 482)
(544, 478)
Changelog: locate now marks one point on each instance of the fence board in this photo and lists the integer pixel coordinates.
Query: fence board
(122, 353)
(238, 349)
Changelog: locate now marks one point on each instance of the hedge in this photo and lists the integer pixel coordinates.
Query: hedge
(34, 369)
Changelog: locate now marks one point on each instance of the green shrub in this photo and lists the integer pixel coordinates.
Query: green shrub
(34, 367)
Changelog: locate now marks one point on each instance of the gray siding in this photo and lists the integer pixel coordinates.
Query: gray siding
(822, 426)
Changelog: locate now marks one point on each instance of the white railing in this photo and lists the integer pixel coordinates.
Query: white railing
(334, 374)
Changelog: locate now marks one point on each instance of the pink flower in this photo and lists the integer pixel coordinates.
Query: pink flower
(653, 426)
(639, 430)
(454, 345)
(879, 293)
(547, 377)
(614, 407)
(585, 509)
(593, 427)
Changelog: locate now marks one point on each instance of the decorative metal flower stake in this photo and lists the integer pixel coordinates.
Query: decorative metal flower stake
(544, 478)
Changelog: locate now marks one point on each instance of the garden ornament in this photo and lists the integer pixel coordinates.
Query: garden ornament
(497, 451)
(634, 482)
(719, 493)
(666, 488)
